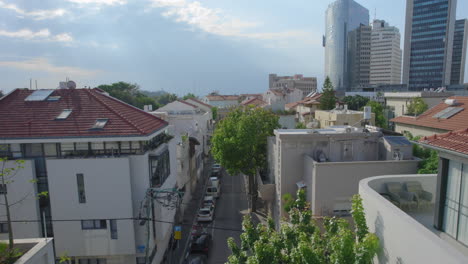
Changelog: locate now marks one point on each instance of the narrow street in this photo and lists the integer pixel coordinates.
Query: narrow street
(230, 208)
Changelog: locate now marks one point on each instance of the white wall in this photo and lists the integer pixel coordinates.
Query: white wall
(108, 196)
(42, 251)
(287, 121)
(24, 191)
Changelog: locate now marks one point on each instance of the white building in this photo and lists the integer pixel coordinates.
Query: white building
(306, 84)
(97, 157)
(386, 54)
(434, 229)
(222, 101)
(329, 163)
(398, 102)
(278, 98)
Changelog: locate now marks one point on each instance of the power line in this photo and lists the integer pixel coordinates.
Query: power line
(133, 219)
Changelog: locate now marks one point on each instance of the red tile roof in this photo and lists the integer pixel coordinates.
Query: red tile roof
(427, 119)
(200, 102)
(222, 97)
(454, 140)
(36, 119)
(315, 99)
(254, 101)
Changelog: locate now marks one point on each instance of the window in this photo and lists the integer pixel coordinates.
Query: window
(65, 113)
(455, 221)
(100, 123)
(3, 228)
(81, 188)
(159, 168)
(3, 188)
(140, 260)
(113, 228)
(93, 224)
(92, 261)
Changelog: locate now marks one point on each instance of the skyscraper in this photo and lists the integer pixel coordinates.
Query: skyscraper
(359, 53)
(459, 51)
(341, 17)
(385, 58)
(428, 47)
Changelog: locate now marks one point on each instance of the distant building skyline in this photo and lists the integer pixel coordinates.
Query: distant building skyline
(306, 84)
(459, 52)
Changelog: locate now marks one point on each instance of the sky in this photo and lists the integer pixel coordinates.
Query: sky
(178, 46)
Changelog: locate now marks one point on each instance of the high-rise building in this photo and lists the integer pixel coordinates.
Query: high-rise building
(306, 84)
(341, 17)
(428, 47)
(459, 51)
(359, 54)
(385, 58)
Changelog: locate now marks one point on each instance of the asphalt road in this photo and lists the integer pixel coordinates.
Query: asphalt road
(230, 208)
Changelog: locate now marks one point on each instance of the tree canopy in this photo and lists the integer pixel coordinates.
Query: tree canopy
(356, 102)
(301, 241)
(189, 95)
(378, 110)
(328, 99)
(239, 142)
(417, 106)
(430, 158)
(1, 93)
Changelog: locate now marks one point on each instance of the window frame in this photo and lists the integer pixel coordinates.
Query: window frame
(80, 183)
(98, 224)
(4, 228)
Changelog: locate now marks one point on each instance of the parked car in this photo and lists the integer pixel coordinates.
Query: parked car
(209, 201)
(196, 259)
(213, 191)
(205, 214)
(216, 167)
(201, 244)
(214, 181)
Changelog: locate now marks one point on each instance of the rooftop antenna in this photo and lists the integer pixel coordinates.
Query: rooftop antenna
(30, 83)
(375, 14)
(36, 84)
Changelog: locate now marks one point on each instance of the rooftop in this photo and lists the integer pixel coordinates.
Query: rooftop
(442, 94)
(446, 116)
(330, 130)
(71, 113)
(455, 141)
(222, 97)
(254, 101)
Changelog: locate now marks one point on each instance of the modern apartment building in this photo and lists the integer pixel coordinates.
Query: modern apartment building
(428, 49)
(306, 84)
(459, 52)
(359, 55)
(398, 102)
(101, 162)
(385, 54)
(341, 17)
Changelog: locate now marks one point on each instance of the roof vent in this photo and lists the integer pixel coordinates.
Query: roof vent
(451, 101)
(71, 85)
(100, 123)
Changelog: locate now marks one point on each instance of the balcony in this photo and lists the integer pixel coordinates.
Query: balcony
(35, 250)
(407, 234)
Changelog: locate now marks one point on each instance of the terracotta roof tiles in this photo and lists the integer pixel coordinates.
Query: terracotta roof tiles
(455, 141)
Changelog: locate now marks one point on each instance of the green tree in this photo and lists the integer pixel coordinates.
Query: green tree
(214, 112)
(328, 99)
(378, 110)
(417, 106)
(429, 157)
(355, 102)
(166, 98)
(129, 93)
(239, 143)
(300, 125)
(189, 95)
(301, 241)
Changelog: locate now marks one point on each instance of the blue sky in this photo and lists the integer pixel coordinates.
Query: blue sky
(179, 46)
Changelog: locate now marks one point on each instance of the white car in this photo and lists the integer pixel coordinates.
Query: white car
(213, 191)
(205, 214)
(216, 167)
(214, 181)
(209, 201)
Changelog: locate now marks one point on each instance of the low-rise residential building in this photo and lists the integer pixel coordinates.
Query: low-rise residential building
(100, 161)
(306, 84)
(221, 101)
(398, 102)
(256, 102)
(305, 109)
(341, 117)
(329, 163)
(448, 115)
(433, 229)
(278, 98)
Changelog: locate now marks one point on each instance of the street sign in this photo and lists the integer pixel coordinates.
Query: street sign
(177, 232)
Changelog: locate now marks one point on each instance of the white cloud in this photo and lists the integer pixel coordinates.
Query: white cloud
(41, 35)
(215, 21)
(36, 14)
(99, 2)
(43, 65)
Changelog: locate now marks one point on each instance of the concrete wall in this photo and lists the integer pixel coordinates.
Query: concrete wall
(287, 121)
(23, 192)
(327, 118)
(334, 183)
(41, 250)
(108, 196)
(402, 238)
(418, 130)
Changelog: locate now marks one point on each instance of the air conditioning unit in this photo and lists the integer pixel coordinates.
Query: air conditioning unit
(397, 155)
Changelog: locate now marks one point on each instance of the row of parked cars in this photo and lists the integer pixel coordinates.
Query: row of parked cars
(202, 240)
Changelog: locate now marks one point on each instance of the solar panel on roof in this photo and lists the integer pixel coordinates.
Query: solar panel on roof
(397, 141)
(448, 112)
(39, 95)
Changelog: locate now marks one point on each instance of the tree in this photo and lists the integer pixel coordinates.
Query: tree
(1, 93)
(240, 143)
(355, 102)
(189, 95)
(328, 99)
(166, 98)
(300, 125)
(129, 93)
(378, 110)
(214, 112)
(302, 241)
(417, 106)
(429, 157)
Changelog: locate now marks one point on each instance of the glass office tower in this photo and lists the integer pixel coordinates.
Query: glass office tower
(341, 17)
(459, 52)
(428, 48)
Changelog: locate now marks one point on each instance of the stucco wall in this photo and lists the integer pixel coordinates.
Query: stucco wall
(287, 121)
(42, 251)
(108, 196)
(418, 130)
(22, 189)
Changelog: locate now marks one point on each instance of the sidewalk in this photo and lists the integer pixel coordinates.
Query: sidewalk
(190, 214)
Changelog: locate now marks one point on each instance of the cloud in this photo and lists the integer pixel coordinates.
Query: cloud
(43, 65)
(99, 2)
(215, 21)
(36, 14)
(41, 35)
